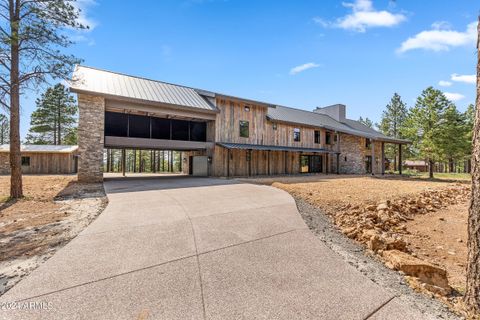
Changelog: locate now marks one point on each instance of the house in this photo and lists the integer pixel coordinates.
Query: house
(419, 165)
(220, 135)
(42, 159)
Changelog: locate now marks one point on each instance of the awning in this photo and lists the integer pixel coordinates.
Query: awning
(262, 147)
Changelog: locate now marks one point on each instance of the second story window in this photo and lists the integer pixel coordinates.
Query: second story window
(296, 134)
(317, 136)
(244, 132)
(328, 138)
(274, 126)
(368, 143)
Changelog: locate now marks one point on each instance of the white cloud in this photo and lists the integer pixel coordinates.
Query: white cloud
(83, 18)
(363, 16)
(466, 78)
(444, 83)
(440, 38)
(454, 96)
(303, 67)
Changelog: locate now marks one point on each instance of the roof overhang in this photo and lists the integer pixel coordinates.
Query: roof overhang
(261, 147)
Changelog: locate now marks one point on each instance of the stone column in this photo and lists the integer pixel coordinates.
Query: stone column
(91, 123)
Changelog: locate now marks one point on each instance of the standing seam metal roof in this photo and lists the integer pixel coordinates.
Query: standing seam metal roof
(314, 119)
(87, 79)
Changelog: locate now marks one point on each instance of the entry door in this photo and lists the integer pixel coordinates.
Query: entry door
(316, 164)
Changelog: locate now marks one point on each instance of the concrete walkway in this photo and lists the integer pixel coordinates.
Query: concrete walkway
(185, 248)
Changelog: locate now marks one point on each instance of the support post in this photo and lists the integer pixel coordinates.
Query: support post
(338, 163)
(383, 158)
(400, 159)
(285, 159)
(326, 163)
(228, 163)
(373, 157)
(268, 162)
(249, 157)
(124, 162)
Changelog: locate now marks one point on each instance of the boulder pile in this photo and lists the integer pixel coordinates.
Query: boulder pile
(380, 226)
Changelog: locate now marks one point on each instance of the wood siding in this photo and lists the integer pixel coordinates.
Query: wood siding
(42, 163)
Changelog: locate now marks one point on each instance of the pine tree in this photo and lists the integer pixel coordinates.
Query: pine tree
(4, 129)
(54, 119)
(32, 36)
(453, 135)
(472, 292)
(367, 122)
(423, 125)
(391, 124)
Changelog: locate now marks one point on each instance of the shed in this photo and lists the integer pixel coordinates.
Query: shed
(42, 159)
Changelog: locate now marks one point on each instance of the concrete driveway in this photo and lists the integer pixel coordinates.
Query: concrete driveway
(198, 248)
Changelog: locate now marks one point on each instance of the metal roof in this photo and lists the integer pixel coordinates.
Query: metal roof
(91, 80)
(261, 147)
(309, 118)
(43, 148)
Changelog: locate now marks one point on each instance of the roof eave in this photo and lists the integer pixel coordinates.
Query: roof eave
(142, 101)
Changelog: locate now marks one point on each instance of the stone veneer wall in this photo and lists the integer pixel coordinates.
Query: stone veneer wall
(4, 163)
(90, 138)
(353, 148)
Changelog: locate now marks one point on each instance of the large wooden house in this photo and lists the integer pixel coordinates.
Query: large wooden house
(219, 134)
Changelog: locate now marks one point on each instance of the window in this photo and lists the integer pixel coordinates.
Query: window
(247, 109)
(244, 129)
(26, 161)
(274, 126)
(160, 128)
(328, 138)
(116, 124)
(335, 138)
(317, 136)
(345, 158)
(296, 134)
(198, 131)
(180, 130)
(368, 143)
(138, 126)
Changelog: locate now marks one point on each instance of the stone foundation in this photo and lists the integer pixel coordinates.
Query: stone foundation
(90, 138)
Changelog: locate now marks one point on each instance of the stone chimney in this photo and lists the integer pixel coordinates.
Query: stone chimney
(336, 111)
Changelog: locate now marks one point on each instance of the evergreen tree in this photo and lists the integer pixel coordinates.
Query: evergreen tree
(391, 124)
(366, 121)
(4, 129)
(32, 36)
(453, 135)
(423, 125)
(54, 118)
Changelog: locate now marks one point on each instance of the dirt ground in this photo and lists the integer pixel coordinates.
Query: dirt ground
(55, 209)
(438, 237)
(441, 239)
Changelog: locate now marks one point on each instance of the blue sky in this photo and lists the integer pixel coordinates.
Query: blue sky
(296, 53)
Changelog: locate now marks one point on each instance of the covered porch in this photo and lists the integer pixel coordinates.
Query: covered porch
(235, 159)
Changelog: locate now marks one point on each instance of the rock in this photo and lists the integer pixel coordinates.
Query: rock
(382, 206)
(371, 207)
(441, 219)
(459, 240)
(415, 267)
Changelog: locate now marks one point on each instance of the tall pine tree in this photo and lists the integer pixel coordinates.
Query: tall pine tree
(391, 124)
(423, 125)
(453, 135)
(55, 117)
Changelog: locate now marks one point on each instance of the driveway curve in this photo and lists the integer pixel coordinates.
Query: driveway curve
(199, 248)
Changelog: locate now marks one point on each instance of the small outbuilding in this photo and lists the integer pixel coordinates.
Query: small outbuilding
(419, 165)
(42, 159)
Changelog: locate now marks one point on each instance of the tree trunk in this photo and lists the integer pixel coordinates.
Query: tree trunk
(16, 190)
(472, 292)
(450, 165)
(430, 168)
